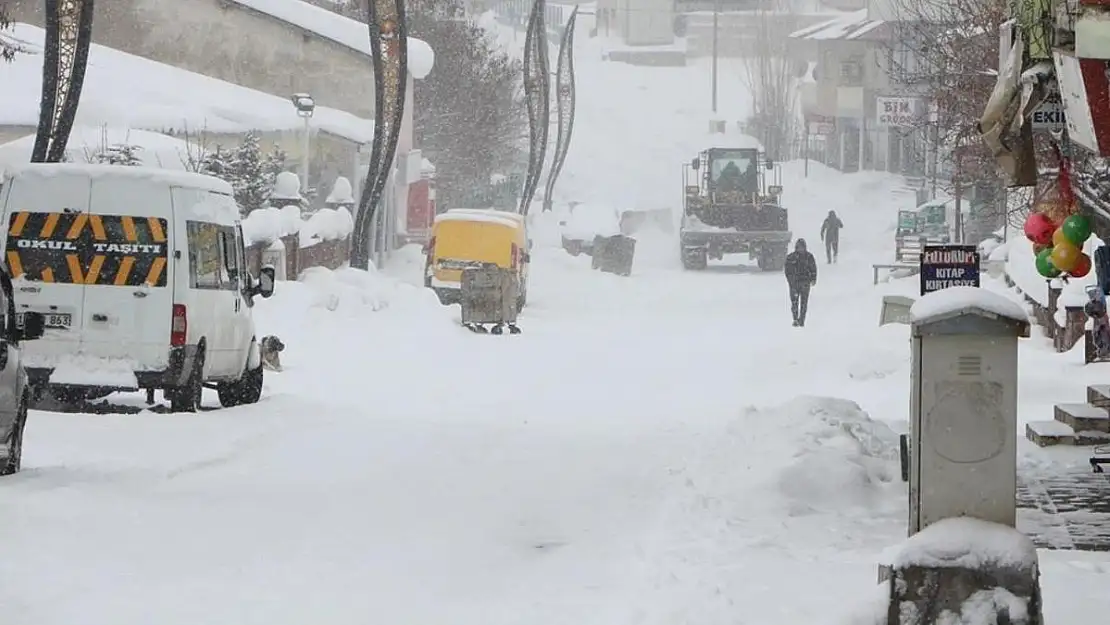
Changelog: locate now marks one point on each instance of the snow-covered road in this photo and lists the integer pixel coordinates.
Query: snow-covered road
(599, 468)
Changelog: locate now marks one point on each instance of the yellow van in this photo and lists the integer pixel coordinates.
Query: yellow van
(472, 237)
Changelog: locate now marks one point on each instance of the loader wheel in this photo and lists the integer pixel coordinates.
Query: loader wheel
(695, 258)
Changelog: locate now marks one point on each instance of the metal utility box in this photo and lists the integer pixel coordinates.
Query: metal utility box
(963, 414)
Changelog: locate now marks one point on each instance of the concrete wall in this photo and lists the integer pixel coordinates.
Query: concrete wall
(225, 41)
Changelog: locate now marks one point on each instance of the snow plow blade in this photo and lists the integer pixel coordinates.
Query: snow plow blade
(634, 221)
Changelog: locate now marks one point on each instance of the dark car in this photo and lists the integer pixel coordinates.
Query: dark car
(15, 391)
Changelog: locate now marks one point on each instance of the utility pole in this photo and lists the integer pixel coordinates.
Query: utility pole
(716, 16)
(959, 192)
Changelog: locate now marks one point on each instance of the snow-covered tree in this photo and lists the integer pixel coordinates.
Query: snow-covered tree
(117, 154)
(469, 115)
(250, 172)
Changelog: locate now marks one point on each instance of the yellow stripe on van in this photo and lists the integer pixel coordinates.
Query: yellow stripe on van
(74, 263)
(128, 228)
(125, 267)
(14, 264)
(94, 269)
(98, 228)
(156, 229)
(47, 275)
(156, 270)
(76, 228)
(50, 225)
(19, 223)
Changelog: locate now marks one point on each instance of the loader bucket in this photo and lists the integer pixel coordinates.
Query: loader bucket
(635, 221)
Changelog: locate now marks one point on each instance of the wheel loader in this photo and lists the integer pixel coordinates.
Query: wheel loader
(731, 206)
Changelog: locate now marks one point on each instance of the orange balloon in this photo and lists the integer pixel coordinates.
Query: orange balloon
(1065, 256)
(1059, 237)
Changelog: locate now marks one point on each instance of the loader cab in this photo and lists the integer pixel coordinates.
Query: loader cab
(732, 175)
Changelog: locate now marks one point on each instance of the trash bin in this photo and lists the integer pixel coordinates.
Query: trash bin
(489, 296)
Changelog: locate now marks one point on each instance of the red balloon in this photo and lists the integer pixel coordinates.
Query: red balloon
(1081, 268)
(1039, 228)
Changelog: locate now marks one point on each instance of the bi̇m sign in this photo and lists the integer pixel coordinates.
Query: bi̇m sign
(943, 266)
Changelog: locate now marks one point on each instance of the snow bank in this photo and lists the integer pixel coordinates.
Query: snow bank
(1021, 267)
(968, 543)
(939, 304)
(843, 458)
(126, 90)
(327, 224)
(1000, 253)
(340, 29)
(351, 292)
(872, 610)
(269, 224)
(82, 369)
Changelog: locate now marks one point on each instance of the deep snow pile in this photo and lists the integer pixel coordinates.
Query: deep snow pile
(843, 457)
(349, 292)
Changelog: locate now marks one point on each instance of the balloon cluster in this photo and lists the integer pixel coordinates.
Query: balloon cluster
(1059, 247)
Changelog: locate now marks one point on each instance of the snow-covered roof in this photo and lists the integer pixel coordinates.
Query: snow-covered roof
(126, 90)
(489, 217)
(167, 176)
(157, 150)
(340, 29)
(849, 27)
(948, 302)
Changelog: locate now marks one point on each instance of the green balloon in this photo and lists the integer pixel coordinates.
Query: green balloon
(1044, 264)
(1077, 229)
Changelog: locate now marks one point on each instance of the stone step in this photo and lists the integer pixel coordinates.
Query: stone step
(1083, 417)
(1048, 433)
(1099, 395)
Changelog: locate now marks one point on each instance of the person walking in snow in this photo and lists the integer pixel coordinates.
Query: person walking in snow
(801, 274)
(830, 234)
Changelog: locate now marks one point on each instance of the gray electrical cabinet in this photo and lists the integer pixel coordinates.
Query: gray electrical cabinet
(963, 414)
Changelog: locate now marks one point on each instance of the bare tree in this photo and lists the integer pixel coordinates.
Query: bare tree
(772, 83)
(8, 46)
(469, 116)
(946, 51)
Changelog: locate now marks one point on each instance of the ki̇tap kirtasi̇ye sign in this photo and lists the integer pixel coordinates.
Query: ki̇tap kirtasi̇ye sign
(943, 266)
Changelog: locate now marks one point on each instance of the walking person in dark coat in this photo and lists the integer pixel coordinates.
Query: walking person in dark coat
(801, 274)
(830, 234)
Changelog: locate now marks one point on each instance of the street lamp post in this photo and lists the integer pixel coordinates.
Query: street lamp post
(305, 106)
(716, 16)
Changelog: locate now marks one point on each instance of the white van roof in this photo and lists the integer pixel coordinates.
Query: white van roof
(170, 177)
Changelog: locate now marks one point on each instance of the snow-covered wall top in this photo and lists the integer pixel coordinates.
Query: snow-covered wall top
(126, 90)
(340, 29)
(266, 225)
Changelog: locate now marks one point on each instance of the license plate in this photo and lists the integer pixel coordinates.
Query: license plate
(53, 320)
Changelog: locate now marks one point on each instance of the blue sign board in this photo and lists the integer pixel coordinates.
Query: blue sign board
(943, 266)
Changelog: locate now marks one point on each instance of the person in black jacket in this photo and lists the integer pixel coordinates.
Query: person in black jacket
(830, 234)
(801, 274)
